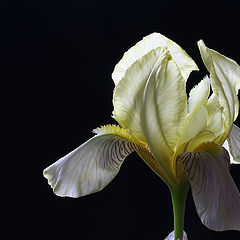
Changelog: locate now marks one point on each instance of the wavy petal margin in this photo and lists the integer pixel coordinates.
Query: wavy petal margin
(225, 82)
(90, 167)
(146, 45)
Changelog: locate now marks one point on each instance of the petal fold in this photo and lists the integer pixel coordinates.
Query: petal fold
(127, 97)
(90, 167)
(146, 45)
(164, 108)
(215, 194)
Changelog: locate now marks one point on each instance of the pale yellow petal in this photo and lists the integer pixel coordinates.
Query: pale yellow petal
(198, 95)
(215, 117)
(225, 82)
(195, 131)
(127, 97)
(147, 44)
(131, 73)
(164, 110)
(195, 126)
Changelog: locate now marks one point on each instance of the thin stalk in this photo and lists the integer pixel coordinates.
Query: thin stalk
(179, 195)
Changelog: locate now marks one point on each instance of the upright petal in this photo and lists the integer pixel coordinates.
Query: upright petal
(90, 167)
(127, 97)
(214, 192)
(146, 45)
(164, 109)
(196, 121)
(198, 95)
(225, 81)
(131, 73)
(215, 117)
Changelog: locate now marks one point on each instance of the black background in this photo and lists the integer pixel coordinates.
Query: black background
(56, 63)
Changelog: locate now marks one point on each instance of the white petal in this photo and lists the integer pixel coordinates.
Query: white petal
(215, 194)
(90, 167)
(164, 110)
(234, 143)
(225, 82)
(171, 236)
(226, 146)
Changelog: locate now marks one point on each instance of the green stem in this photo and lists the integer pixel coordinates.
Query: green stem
(179, 195)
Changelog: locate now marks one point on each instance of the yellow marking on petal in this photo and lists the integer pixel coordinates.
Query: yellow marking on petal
(143, 150)
(115, 129)
(208, 147)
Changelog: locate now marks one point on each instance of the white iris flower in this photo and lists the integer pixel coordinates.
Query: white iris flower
(180, 138)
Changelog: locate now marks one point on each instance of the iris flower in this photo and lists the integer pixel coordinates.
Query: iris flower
(187, 141)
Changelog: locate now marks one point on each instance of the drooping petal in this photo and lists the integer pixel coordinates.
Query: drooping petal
(90, 167)
(146, 45)
(131, 73)
(164, 109)
(225, 82)
(141, 148)
(234, 144)
(171, 236)
(215, 194)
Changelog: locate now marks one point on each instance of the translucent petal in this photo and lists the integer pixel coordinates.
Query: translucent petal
(147, 44)
(215, 117)
(215, 194)
(198, 95)
(131, 73)
(225, 82)
(164, 110)
(127, 97)
(234, 143)
(90, 167)
(171, 236)
(196, 121)
(195, 130)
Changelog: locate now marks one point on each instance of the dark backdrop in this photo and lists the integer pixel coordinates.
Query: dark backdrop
(56, 63)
